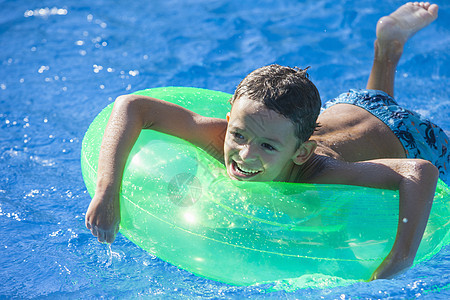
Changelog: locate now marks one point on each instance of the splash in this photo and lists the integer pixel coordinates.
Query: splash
(313, 281)
(111, 256)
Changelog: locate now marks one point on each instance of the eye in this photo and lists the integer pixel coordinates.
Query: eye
(237, 136)
(268, 147)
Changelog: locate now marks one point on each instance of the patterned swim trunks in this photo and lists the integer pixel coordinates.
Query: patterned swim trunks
(420, 138)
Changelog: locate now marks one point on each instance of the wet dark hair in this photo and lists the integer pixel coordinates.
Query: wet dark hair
(287, 91)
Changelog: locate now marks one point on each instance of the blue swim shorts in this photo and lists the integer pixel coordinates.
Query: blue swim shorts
(420, 138)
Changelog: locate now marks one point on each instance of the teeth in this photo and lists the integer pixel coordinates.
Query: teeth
(245, 170)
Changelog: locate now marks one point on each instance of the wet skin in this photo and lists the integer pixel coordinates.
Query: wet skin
(260, 144)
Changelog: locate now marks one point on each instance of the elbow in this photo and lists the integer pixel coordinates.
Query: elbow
(124, 101)
(427, 171)
(129, 107)
(419, 171)
(421, 176)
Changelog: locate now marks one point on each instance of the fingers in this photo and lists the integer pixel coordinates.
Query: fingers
(87, 223)
(94, 230)
(103, 236)
(109, 238)
(107, 235)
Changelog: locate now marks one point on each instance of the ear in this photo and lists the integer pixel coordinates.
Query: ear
(228, 116)
(304, 152)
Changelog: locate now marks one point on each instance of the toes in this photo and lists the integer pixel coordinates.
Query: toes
(433, 9)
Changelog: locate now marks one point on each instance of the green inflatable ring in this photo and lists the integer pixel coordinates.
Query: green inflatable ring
(178, 204)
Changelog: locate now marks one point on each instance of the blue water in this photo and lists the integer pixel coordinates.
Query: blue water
(63, 61)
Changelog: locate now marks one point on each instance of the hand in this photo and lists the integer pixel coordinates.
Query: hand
(103, 218)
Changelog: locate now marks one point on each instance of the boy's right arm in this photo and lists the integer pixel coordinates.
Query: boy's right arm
(415, 179)
(130, 114)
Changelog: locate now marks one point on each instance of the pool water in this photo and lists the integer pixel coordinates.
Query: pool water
(63, 61)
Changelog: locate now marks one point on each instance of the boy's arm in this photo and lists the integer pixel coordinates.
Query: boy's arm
(130, 114)
(416, 182)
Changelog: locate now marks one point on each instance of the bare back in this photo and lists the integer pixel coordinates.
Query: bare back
(350, 133)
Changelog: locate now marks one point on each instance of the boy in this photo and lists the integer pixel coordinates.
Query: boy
(363, 138)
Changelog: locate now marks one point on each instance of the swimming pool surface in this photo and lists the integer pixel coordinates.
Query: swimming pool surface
(63, 61)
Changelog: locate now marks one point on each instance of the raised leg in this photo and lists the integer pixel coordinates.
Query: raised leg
(393, 32)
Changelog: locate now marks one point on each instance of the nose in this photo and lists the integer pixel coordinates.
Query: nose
(248, 152)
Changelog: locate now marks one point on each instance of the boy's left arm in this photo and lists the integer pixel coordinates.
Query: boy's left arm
(415, 180)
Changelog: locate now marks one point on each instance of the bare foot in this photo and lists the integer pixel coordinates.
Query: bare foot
(392, 33)
(403, 23)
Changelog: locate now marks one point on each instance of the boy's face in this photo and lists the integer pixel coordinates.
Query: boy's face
(260, 144)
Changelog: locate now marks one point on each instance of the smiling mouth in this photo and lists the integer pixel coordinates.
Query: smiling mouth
(242, 172)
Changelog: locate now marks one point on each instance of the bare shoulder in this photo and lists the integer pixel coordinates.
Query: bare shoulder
(354, 134)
